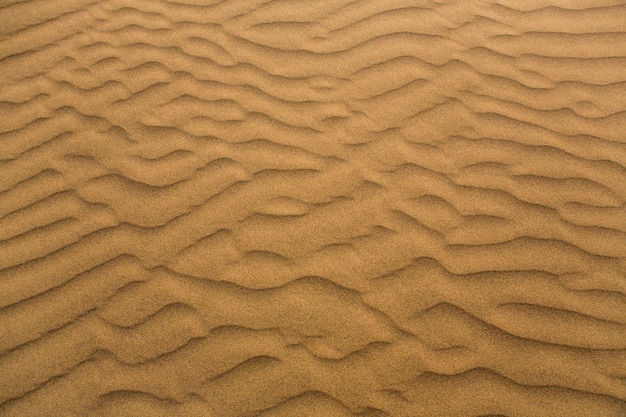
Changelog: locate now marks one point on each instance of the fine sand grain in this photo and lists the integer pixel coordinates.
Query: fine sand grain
(317, 208)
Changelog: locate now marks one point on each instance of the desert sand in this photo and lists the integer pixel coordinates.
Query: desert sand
(312, 208)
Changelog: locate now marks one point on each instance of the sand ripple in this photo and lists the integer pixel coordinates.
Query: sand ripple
(312, 208)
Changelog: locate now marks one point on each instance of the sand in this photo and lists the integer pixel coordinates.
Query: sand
(312, 208)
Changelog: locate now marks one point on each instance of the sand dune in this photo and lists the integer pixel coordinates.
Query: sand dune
(313, 208)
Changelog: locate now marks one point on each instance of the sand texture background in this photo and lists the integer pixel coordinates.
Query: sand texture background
(312, 208)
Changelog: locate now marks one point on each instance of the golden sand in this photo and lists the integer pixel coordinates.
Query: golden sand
(312, 208)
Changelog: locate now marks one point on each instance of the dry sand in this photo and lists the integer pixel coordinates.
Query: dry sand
(313, 208)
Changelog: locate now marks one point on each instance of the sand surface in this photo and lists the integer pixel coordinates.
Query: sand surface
(312, 208)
